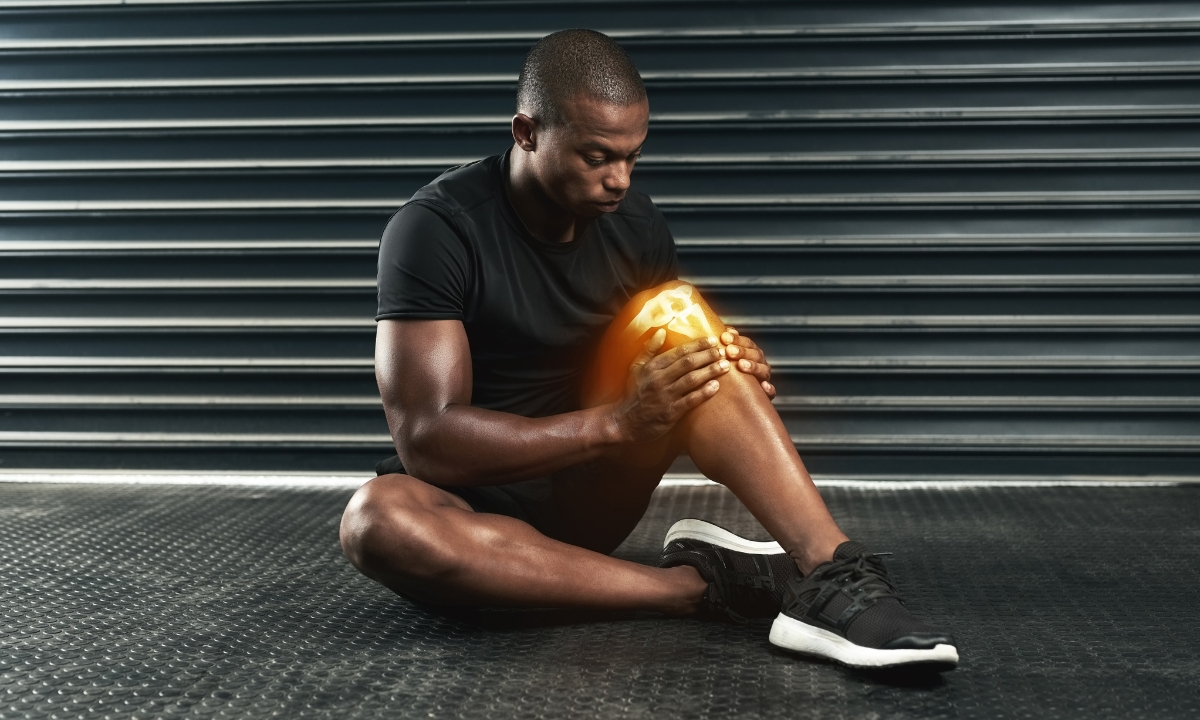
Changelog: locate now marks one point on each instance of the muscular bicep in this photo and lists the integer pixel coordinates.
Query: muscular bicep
(422, 367)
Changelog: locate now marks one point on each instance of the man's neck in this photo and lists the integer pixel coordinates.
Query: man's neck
(543, 218)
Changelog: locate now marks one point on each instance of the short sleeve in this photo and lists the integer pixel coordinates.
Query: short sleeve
(424, 267)
(661, 262)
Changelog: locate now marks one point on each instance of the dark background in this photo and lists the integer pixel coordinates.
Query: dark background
(967, 234)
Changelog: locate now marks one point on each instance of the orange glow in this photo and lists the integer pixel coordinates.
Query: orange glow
(675, 310)
(675, 306)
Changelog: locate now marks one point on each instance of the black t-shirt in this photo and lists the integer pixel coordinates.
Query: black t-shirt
(534, 311)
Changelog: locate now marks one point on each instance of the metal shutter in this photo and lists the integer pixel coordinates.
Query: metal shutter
(967, 234)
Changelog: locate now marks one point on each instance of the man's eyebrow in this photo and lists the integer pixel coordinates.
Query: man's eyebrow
(606, 149)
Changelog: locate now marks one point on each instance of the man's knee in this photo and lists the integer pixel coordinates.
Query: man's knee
(674, 306)
(387, 528)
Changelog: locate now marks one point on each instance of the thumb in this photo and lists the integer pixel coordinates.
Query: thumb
(651, 348)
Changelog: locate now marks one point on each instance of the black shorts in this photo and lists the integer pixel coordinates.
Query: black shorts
(530, 501)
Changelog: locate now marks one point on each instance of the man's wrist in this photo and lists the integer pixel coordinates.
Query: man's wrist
(612, 430)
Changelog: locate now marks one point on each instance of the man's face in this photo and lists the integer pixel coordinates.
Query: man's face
(585, 163)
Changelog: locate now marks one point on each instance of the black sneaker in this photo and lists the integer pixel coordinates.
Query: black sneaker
(848, 610)
(746, 578)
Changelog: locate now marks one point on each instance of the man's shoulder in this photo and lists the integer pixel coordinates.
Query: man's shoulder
(461, 188)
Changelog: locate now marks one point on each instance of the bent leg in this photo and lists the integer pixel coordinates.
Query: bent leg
(426, 543)
(736, 437)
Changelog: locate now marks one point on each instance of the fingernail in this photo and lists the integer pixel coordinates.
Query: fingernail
(724, 364)
(714, 384)
(745, 364)
(712, 340)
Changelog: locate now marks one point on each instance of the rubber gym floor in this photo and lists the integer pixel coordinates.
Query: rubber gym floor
(187, 601)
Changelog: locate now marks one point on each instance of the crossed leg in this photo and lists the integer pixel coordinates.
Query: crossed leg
(427, 543)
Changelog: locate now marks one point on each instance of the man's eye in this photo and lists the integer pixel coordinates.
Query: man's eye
(593, 161)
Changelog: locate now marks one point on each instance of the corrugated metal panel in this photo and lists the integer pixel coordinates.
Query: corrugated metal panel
(968, 235)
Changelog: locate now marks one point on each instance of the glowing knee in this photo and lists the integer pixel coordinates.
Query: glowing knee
(675, 310)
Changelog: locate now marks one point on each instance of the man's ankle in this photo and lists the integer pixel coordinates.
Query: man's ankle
(816, 553)
(691, 586)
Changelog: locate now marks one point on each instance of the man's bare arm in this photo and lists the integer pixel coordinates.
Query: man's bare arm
(424, 372)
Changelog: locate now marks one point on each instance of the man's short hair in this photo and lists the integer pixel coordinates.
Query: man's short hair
(568, 63)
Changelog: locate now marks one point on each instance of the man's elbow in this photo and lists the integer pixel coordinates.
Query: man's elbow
(423, 460)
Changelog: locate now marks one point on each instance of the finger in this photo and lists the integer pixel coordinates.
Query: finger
(762, 371)
(745, 342)
(751, 354)
(672, 356)
(651, 348)
(691, 362)
(769, 389)
(694, 398)
(696, 378)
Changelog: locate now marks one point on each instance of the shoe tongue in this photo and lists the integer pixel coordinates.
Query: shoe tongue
(848, 549)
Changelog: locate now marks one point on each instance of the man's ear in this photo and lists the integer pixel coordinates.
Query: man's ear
(524, 131)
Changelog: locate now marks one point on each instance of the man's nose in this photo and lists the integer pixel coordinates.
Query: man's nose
(617, 180)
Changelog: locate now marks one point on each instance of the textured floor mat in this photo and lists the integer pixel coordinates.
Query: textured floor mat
(120, 601)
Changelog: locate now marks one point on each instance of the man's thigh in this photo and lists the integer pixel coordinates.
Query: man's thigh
(597, 504)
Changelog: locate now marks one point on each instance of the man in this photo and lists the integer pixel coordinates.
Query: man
(541, 367)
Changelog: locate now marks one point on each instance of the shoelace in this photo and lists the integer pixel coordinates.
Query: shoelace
(860, 572)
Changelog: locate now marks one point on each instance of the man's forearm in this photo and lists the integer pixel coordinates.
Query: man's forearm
(464, 445)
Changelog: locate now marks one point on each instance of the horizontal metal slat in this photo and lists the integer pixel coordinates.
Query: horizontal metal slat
(971, 323)
(188, 284)
(1104, 444)
(825, 116)
(72, 247)
(1064, 156)
(1158, 26)
(872, 404)
(765, 282)
(978, 71)
(1109, 444)
(1040, 403)
(196, 17)
(189, 364)
(780, 364)
(186, 440)
(1025, 323)
(186, 324)
(957, 241)
(1021, 199)
(1133, 198)
(1081, 281)
(915, 243)
(188, 401)
(1020, 364)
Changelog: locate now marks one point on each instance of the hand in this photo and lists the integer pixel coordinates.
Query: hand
(748, 358)
(663, 387)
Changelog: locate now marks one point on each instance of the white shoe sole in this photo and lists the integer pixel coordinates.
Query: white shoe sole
(792, 634)
(693, 529)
